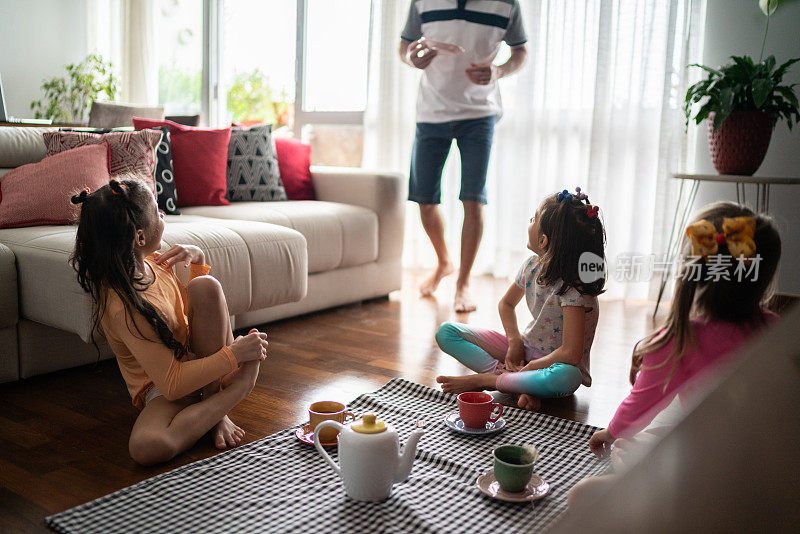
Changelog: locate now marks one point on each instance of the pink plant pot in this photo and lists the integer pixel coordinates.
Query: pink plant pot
(741, 142)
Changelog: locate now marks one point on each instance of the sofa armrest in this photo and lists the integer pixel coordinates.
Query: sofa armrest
(9, 301)
(380, 191)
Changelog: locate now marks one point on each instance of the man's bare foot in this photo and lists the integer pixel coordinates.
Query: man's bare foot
(226, 434)
(463, 302)
(460, 384)
(529, 402)
(430, 284)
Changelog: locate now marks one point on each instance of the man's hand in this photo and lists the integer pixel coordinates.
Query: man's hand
(483, 73)
(419, 54)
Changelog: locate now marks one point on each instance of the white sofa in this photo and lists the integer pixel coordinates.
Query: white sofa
(274, 260)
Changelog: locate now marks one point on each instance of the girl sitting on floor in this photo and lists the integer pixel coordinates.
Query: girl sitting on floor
(170, 340)
(718, 305)
(551, 358)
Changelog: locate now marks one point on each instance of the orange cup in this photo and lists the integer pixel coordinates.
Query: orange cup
(328, 411)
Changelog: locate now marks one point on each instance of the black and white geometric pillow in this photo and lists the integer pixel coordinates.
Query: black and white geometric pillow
(166, 193)
(253, 166)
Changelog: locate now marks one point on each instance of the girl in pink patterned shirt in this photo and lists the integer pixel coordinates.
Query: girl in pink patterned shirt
(551, 357)
(717, 306)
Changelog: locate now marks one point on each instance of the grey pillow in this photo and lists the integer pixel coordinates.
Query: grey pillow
(253, 166)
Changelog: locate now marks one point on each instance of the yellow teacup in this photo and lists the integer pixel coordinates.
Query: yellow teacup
(328, 411)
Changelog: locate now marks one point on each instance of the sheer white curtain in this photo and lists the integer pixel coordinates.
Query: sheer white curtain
(598, 105)
(123, 31)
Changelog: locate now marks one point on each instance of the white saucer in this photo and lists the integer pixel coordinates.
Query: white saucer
(454, 423)
(535, 490)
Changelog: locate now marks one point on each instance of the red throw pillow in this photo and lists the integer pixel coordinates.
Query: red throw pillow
(199, 161)
(39, 193)
(130, 152)
(294, 162)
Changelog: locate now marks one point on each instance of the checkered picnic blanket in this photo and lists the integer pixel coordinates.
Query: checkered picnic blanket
(278, 484)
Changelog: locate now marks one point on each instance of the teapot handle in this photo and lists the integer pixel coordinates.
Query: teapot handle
(318, 445)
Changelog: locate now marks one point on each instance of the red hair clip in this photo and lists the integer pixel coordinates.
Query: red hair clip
(591, 211)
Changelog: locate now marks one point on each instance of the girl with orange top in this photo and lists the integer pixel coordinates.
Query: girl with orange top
(173, 342)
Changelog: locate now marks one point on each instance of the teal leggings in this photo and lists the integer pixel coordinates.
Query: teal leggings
(484, 351)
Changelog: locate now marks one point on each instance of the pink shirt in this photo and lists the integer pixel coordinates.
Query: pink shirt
(714, 344)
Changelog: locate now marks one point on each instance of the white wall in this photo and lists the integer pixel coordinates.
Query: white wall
(736, 27)
(37, 39)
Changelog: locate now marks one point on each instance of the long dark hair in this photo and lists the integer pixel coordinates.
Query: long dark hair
(104, 253)
(737, 300)
(570, 232)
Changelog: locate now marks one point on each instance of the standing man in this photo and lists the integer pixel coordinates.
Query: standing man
(458, 99)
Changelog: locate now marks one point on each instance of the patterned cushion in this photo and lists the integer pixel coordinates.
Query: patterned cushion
(165, 180)
(253, 165)
(131, 152)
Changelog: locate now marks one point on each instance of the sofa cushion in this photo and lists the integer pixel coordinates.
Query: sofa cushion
(49, 292)
(199, 161)
(253, 166)
(294, 162)
(40, 193)
(130, 152)
(166, 192)
(338, 235)
(19, 146)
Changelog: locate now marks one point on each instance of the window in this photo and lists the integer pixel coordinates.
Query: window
(179, 49)
(258, 61)
(289, 63)
(336, 52)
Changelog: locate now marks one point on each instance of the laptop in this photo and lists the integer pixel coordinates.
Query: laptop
(5, 118)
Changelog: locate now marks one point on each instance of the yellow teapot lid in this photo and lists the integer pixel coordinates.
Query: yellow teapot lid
(369, 424)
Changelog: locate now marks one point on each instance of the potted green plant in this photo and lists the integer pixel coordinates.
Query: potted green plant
(67, 99)
(742, 101)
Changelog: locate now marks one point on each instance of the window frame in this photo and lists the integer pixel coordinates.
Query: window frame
(213, 107)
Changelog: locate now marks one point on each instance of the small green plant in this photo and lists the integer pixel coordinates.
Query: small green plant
(251, 99)
(743, 85)
(67, 99)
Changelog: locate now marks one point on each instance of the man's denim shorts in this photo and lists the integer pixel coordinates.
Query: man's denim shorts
(431, 147)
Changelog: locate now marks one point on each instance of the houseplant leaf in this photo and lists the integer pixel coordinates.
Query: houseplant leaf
(761, 90)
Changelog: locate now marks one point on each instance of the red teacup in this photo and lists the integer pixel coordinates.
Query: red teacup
(475, 409)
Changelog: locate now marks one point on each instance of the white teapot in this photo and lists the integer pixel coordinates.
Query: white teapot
(369, 456)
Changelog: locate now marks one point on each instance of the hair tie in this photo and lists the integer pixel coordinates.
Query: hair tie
(592, 211)
(564, 195)
(579, 195)
(117, 188)
(81, 197)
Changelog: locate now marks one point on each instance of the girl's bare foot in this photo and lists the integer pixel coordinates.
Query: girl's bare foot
(430, 284)
(226, 434)
(529, 402)
(460, 384)
(463, 302)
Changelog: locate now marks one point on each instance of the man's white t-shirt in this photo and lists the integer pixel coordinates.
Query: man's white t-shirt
(478, 26)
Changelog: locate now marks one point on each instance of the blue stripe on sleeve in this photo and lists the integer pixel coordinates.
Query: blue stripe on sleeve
(487, 19)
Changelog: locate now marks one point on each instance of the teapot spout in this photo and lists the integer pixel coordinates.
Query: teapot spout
(407, 458)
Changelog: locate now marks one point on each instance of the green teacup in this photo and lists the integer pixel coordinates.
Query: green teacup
(513, 467)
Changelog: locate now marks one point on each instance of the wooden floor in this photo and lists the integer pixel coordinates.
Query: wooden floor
(63, 436)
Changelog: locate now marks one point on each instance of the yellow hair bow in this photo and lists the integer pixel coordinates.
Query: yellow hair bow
(737, 234)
